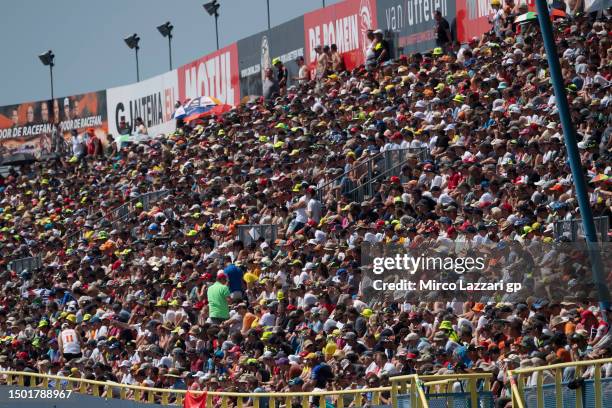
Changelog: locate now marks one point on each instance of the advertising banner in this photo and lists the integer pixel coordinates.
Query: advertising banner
(44, 127)
(255, 54)
(151, 100)
(409, 24)
(215, 75)
(473, 17)
(344, 24)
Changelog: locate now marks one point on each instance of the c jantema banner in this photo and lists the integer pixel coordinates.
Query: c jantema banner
(44, 127)
(152, 100)
(215, 75)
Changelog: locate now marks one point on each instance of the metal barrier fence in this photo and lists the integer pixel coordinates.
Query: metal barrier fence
(364, 169)
(468, 390)
(394, 161)
(30, 263)
(573, 229)
(252, 232)
(147, 200)
(395, 157)
(388, 162)
(404, 392)
(120, 213)
(437, 391)
(569, 396)
(555, 392)
(111, 390)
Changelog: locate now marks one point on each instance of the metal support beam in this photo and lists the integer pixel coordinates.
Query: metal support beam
(569, 136)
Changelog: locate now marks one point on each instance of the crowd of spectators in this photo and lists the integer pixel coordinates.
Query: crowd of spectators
(167, 296)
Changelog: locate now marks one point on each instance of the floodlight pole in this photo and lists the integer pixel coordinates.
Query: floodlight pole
(217, 28)
(137, 68)
(569, 136)
(51, 72)
(170, 49)
(212, 8)
(48, 59)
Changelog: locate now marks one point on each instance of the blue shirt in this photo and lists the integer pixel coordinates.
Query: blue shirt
(321, 374)
(234, 276)
(179, 385)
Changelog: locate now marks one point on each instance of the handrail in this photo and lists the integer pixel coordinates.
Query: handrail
(341, 176)
(423, 399)
(438, 382)
(114, 210)
(34, 262)
(517, 400)
(176, 396)
(213, 393)
(517, 386)
(376, 178)
(417, 381)
(149, 393)
(434, 377)
(560, 227)
(582, 363)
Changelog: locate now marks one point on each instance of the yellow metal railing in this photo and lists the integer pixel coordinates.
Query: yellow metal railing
(441, 383)
(411, 385)
(355, 397)
(523, 374)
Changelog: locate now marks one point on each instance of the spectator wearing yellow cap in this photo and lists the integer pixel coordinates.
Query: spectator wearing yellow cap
(69, 340)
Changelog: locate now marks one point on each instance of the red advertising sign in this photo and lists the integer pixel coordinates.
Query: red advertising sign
(215, 75)
(344, 24)
(473, 17)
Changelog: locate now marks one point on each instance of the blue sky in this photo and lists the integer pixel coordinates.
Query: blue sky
(87, 39)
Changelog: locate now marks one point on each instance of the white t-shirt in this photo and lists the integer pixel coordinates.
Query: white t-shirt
(416, 144)
(310, 299)
(96, 356)
(390, 146)
(102, 332)
(314, 207)
(268, 319)
(303, 73)
(235, 322)
(70, 341)
(300, 213)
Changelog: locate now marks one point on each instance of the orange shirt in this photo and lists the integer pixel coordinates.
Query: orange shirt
(247, 321)
(564, 355)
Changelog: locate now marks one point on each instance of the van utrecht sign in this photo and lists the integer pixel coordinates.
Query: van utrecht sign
(411, 22)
